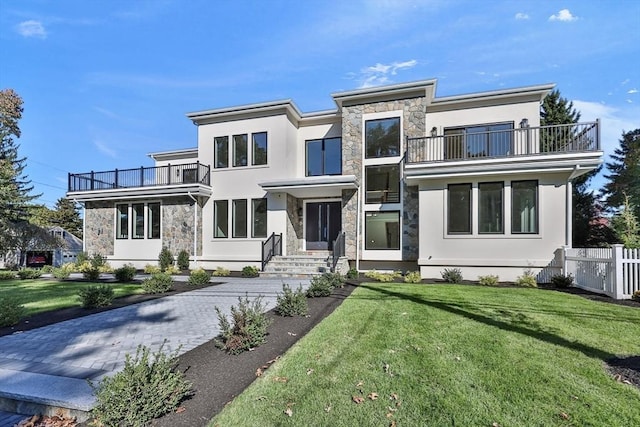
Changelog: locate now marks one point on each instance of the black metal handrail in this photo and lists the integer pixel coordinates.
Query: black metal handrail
(270, 248)
(186, 173)
(339, 250)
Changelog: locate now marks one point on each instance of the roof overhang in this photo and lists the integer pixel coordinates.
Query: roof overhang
(313, 186)
(193, 190)
(422, 88)
(186, 153)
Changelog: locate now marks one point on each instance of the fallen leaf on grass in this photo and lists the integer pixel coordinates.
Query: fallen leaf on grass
(288, 412)
(309, 371)
(457, 358)
(280, 379)
(357, 399)
(386, 368)
(393, 423)
(360, 384)
(564, 416)
(258, 372)
(373, 395)
(327, 408)
(392, 409)
(180, 410)
(393, 396)
(495, 425)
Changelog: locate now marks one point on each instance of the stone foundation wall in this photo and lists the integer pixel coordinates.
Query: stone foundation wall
(99, 218)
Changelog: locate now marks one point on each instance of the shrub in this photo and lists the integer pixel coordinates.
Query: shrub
(292, 303)
(152, 269)
(562, 281)
(158, 283)
(412, 277)
(82, 257)
(636, 296)
(488, 280)
(165, 259)
(452, 275)
(172, 269)
(29, 273)
(249, 271)
(96, 296)
(10, 311)
(199, 277)
(61, 273)
(352, 273)
(148, 387)
(221, 272)
(47, 269)
(322, 286)
(126, 273)
(249, 328)
(383, 277)
(7, 275)
(71, 267)
(93, 266)
(527, 280)
(183, 260)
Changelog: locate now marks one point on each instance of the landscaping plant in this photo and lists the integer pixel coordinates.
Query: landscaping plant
(10, 311)
(96, 296)
(527, 280)
(452, 275)
(126, 273)
(562, 281)
(488, 280)
(247, 328)
(636, 296)
(352, 273)
(148, 387)
(165, 258)
(249, 271)
(383, 277)
(221, 272)
(292, 303)
(7, 275)
(29, 273)
(158, 283)
(152, 269)
(322, 286)
(61, 273)
(199, 277)
(412, 277)
(183, 260)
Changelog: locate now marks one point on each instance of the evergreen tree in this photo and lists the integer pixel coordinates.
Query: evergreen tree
(67, 216)
(626, 225)
(624, 174)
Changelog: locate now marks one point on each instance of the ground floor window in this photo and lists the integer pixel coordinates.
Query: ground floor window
(524, 207)
(259, 216)
(239, 218)
(240, 215)
(144, 216)
(382, 230)
(490, 209)
(122, 221)
(459, 209)
(221, 218)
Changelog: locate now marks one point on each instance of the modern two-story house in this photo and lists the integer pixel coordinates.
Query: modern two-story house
(394, 177)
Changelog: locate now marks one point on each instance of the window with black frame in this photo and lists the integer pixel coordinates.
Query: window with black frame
(324, 156)
(382, 138)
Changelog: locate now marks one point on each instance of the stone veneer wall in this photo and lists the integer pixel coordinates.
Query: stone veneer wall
(178, 225)
(294, 225)
(413, 125)
(99, 220)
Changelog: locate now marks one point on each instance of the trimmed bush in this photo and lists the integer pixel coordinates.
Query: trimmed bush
(527, 280)
(152, 269)
(199, 277)
(158, 283)
(383, 277)
(562, 281)
(352, 273)
(172, 269)
(249, 271)
(292, 303)
(183, 260)
(61, 273)
(148, 387)
(29, 273)
(488, 280)
(636, 296)
(46, 269)
(248, 326)
(322, 286)
(452, 275)
(7, 275)
(165, 258)
(126, 273)
(10, 311)
(82, 257)
(96, 296)
(412, 277)
(221, 272)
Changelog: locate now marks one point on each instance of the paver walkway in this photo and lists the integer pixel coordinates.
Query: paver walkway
(66, 354)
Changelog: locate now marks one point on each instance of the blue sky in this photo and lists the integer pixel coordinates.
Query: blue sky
(106, 82)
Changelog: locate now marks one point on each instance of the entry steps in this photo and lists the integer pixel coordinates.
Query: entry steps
(302, 266)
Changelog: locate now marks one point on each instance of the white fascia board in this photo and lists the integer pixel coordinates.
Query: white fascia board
(174, 154)
(539, 90)
(141, 192)
(238, 112)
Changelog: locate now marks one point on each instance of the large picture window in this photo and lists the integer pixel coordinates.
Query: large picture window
(221, 218)
(382, 138)
(239, 218)
(240, 150)
(524, 207)
(490, 214)
(144, 217)
(221, 152)
(382, 230)
(259, 216)
(459, 209)
(478, 141)
(153, 221)
(259, 151)
(122, 222)
(324, 156)
(137, 211)
(383, 184)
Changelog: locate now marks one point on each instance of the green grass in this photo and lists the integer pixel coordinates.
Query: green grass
(451, 355)
(39, 295)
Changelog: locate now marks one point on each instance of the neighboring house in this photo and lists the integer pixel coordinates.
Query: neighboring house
(39, 256)
(413, 180)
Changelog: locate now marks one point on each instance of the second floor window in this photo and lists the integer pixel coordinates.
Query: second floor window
(240, 150)
(221, 152)
(382, 138)
(259, 152)
(324, 156)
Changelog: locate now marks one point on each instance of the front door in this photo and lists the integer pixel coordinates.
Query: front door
(323, 223)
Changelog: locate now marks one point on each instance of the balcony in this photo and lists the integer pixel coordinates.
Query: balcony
(525, 141)
(188, 178)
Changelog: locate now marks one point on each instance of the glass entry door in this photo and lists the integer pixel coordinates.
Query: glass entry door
(323, 223)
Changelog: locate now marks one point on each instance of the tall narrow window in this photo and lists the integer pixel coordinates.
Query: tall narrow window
(137, 210)
(259, 151)
(240, 218)
(490, 215)
(122, 222)
(382, 230)
(221, 218)
(259, 216)
(382, 184)
(240, 150)
(153, 221)
(459, 209)
(524, 207)
(382, 138)
(324, 157)
(221, 152)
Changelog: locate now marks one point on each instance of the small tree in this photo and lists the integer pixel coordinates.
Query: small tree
(626, 225)
(165, 259)
(183, 260)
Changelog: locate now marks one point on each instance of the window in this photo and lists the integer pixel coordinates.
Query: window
(383, 184)
(490, 214)
(382, 230)
(459, 209)
(478, 141)
(239, 150)
(122, 226)
(137, 211)
(240, 218)
(382, 138)
(259, 215)
(153, 221)
(324, 157)
(221, 152)
(259, 152)
(524, 207)
(220, 218)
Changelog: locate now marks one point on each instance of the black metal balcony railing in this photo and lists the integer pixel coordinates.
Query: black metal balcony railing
(190, 173)
(526, 141)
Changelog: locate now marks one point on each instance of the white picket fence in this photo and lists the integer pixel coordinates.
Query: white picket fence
(611, 271)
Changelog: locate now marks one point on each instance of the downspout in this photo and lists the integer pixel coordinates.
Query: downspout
(195, 228)
(84, 224)
(569, 201)
(358, 236)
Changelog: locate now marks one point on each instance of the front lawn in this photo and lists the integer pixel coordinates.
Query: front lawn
(44, 295)
(451, 355)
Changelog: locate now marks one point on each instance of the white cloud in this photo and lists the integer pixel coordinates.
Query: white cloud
(521, 16)
(633, 91)
(32, 28)
(105, 150)
(378, 74)
(564, 15)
